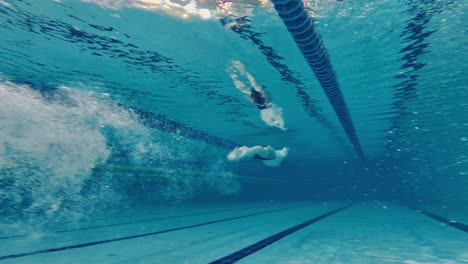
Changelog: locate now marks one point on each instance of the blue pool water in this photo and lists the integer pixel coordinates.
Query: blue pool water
(122, 126)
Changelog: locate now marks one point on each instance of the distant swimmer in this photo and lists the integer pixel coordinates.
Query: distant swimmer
(270, 113)
(268, 154)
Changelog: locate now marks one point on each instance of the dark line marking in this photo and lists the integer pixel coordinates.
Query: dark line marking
(238, 255)
(12, 236)
(165, 124)
(414, 36)
(457, 225)
(50, 250)
(131, 222)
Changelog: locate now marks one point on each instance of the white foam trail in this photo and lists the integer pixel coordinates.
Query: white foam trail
(49, 146)
(272, 116)
(225, 183)
(273, 157)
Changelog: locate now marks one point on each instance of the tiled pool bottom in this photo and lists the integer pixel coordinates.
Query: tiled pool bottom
(248, 233)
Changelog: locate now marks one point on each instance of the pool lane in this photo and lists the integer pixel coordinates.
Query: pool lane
(138, 217)
(460, 226)
(17, 248)
(200, 244)
(249, 250)
(370, 233)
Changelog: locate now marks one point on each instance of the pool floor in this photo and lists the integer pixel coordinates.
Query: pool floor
(272, 232)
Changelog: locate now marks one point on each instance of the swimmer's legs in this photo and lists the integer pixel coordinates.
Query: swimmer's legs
(245, 152)
(273, 116)
(237, 154)
(280, 156)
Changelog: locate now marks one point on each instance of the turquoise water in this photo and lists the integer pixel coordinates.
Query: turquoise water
(120, 115)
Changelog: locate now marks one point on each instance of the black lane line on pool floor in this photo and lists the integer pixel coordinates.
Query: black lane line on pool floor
(131, 222)
(50, 250)
(457, 225)
(238, 255)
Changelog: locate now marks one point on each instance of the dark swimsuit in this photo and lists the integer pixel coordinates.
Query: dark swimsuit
(260, 158)
(256, 156)
(258, 99)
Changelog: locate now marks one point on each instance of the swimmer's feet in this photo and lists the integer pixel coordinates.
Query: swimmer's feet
(280, 156)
